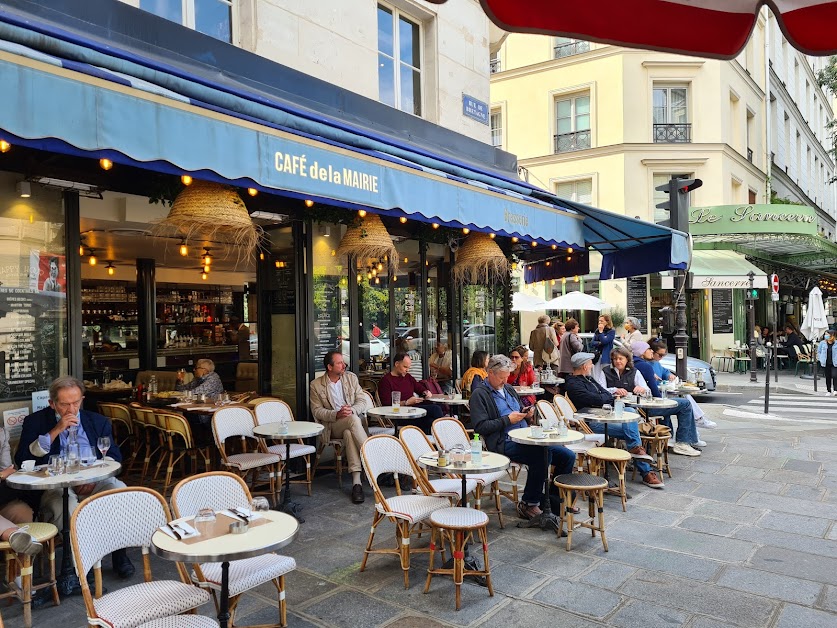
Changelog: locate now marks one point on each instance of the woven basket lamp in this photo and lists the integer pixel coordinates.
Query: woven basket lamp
(479, 261)
(215, 212)
(369, 239)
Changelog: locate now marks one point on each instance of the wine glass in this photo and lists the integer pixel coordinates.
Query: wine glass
(259, 504)
(103, 445)
(607, 409)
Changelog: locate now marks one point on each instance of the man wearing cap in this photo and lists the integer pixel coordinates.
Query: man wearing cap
(585, 392)
(495, 411)
(686, 434)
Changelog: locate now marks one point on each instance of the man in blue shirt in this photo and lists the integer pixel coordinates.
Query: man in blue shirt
(660, 349)
(686, 434)
(495, 411)
(45, 433)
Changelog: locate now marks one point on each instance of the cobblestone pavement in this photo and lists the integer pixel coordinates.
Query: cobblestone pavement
(742, 536)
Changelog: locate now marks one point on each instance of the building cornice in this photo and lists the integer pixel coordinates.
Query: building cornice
(748, 78)
(555, 64)
(693, 154)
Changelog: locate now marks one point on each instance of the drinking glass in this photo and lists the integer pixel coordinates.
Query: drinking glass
(103, 445)
(396, 401)
(607, 409)
(204, 520)
(259, 504)
(56, 465)
(86, 455)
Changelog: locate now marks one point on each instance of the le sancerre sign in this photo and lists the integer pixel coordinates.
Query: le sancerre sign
(722, 219)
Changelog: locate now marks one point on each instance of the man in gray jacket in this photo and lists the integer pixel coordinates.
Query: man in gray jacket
(338, 402)
(537, 341)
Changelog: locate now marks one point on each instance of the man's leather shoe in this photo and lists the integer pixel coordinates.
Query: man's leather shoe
(122, 565)
(357, 494)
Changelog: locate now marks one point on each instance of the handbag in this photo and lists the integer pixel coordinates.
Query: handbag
(597, 355)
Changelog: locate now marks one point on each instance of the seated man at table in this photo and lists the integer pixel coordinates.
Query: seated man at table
(660, 349)
(412, 392)
(495, 411)
(45, 433)
(206, 382)
(586, 393)
(686, 434)
(338, 402)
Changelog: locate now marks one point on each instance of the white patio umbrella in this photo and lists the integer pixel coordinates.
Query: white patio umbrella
(577, 301)
(522, 302)
(815, 323)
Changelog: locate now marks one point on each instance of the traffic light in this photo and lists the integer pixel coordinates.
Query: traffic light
(678, 201)
(752, 294)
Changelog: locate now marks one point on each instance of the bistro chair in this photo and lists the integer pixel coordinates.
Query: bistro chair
(273, 411)
(221, 491)
(152, 439)
(238, 421)
(180, 443)
(802, 358)
(122, 424)
(449, 432)
(180, 621)
(416, 443)
(384, 426)
(409, 513)
(117, 519)
(725, 360)
(21, 565)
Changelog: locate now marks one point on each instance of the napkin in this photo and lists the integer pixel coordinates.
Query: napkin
(243, 512)
(185, 530)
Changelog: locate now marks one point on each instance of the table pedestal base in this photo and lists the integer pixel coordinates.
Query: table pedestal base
(67, 581)
(224, 602)
(292, 509)
(287, 506)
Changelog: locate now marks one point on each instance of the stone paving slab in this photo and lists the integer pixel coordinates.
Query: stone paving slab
(787, 504)
(351, 609)
(708, 526)
(644, 614)
(728, 512)
(802, 544)
(797, 564)
(797, 616)
(526, 614)
(770, 585)
(675, 563)
(608, 575)
(579, 598)
(795, 524)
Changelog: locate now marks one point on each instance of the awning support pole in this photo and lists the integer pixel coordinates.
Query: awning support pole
(681, 339)
(751, 327)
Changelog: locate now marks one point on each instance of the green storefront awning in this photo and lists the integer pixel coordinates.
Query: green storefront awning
(720, 269)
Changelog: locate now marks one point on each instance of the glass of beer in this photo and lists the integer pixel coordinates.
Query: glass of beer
(396, 401)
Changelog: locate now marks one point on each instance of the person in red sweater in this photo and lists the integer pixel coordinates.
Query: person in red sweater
(412, 392)
(523, 373)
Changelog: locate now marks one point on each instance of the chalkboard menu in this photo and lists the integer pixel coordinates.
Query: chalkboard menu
(721, 311)
(326, 316)
(283, 298)
(638, 301)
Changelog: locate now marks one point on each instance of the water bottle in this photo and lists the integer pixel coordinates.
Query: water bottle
(476, 450)
(73, 451)
(152, 386)
(619, 408)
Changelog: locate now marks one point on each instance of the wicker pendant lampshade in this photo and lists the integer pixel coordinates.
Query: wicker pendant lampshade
(214, 212)
(479, 261)
(369, 239)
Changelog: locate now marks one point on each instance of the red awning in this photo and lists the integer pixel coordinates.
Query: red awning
(709, 28)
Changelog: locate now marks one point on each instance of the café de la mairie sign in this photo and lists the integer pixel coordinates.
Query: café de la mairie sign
(720, 219)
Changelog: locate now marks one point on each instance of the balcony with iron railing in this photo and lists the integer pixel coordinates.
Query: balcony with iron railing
(494, 66)
(570, 48)
(673, 133)
(577, 140)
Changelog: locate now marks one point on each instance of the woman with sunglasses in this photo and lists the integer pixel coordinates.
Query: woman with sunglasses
(523, 373)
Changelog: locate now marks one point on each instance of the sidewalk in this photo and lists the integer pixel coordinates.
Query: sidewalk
(730, 382)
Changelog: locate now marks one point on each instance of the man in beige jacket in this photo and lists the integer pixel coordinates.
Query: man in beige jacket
(538, 337)
(338, 402)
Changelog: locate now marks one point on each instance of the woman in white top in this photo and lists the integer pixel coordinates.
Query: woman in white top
(632, 327)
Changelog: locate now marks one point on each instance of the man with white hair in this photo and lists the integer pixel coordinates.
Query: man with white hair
(495, 411)
(542, 337)
(206, 382)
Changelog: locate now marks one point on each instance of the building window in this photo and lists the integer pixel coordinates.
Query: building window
(399, 61)
(210, 17)
(751, 197)
(566, 47)
(494, 63)
(497, 128)
(580, 191)
(662, 215)
(671, 115)
(572, 124)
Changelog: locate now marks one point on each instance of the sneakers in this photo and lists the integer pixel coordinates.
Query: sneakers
(651, 479)
(527, 512)
(699, 443)
(705, 423)
(639, 452)
(682, 449)
(23, 543)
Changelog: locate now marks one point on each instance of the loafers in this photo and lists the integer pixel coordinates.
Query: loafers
(122, 565)
(357, 494)
(23, 543)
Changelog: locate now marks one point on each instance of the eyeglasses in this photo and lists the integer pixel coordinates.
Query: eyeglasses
(516, 357)
(660, 355)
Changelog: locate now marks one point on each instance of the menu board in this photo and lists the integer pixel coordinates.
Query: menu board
(283, 297)
(326, 316)
(722, 311)
(29, 321)
(638, 301)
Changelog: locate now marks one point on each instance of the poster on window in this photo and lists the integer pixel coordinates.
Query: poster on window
(47, 272)
(13, 423)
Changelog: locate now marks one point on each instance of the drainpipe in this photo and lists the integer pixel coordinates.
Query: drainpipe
(767, 135)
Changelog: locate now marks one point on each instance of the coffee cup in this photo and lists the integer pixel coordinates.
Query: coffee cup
(536, 431)
(28, 465)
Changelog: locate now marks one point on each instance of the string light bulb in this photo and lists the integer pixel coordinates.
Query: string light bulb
(207, 258)
(206, 268)
(362, 213)
(186, 179)
(378, 280)
(105, 164)
(575, 278)
(466, 231)
(380, 267)
(554, 246)
(406, 260)
(5, 147)
(333, 253)
(369, 275)
(403, 220)
(569, 249)
(81, 250)
(111, 268)
(492, 235)
(92, 259)
(261, 255)
(310, 203)
(184, 250)
(515, 238)
(204, 276)
(435, 225)
(252, 191)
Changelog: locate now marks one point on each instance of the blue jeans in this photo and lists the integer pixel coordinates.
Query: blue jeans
(629, 432)
(686, 430)
(532, 456)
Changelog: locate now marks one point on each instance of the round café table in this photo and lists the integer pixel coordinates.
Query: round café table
(280, 530)
(523, 435)
(68, 583)
(528, 390)
(655, 403)
(405, 413)
(597, 415)
(296, 430)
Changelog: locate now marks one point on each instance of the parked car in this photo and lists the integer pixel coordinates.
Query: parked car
(375, 348)
(415, 334)
(669, 361)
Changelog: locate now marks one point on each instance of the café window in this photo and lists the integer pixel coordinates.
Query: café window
(399, 61)
(33, 288)
(331, 295)
(210, 17)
